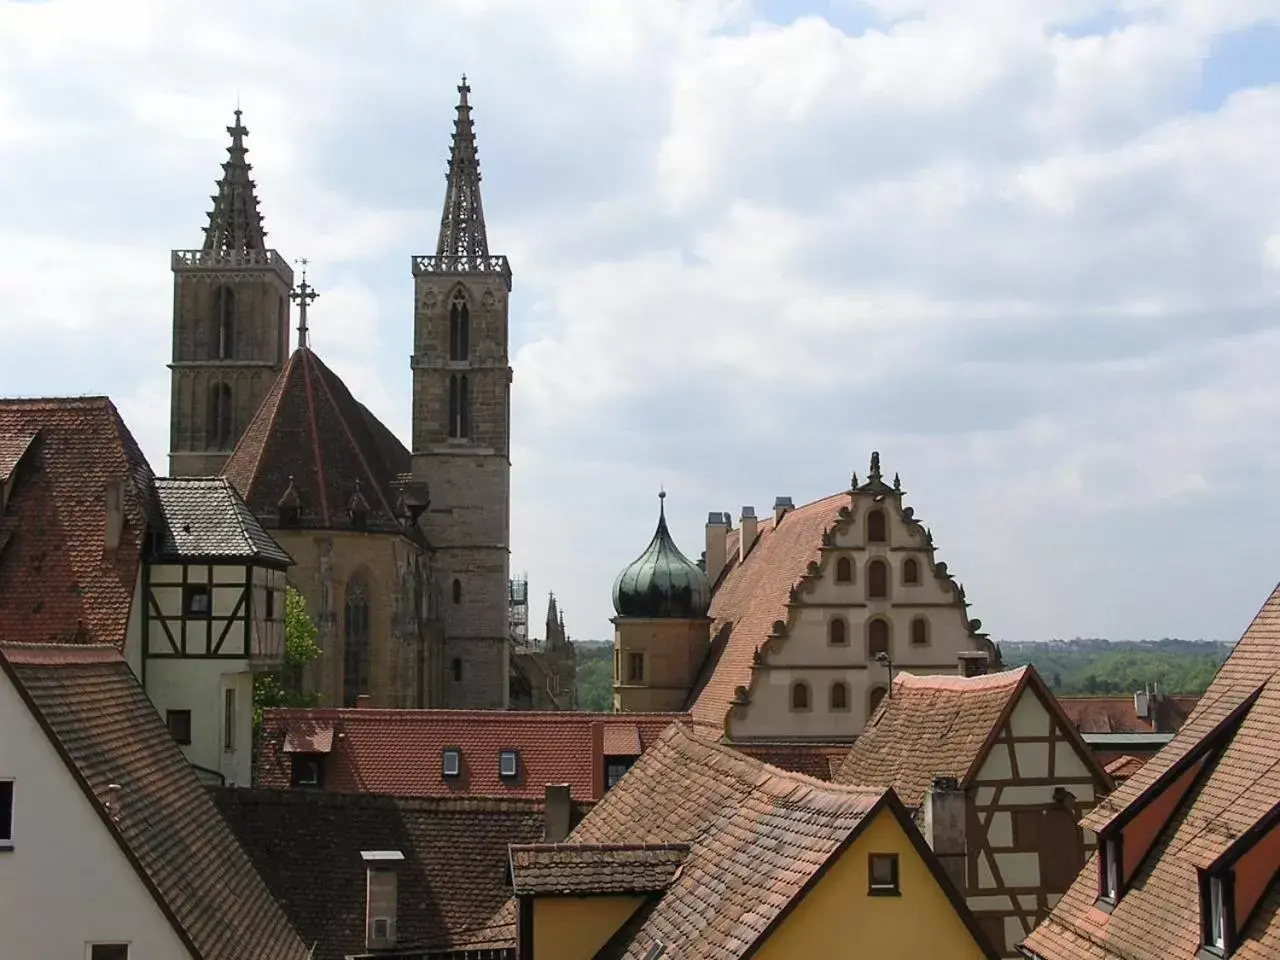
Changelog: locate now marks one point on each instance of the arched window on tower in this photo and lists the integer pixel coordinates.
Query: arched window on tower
(837, 632)
(224, 323)
(911, 572)
(874, 698)
(839, 696)
(877, 637)
(358, 645)
(844, 570)
(877, 580)
(919, 631)
(459, 406)
(221, 417)
(876, 527)
(459, 328)
(799, 695)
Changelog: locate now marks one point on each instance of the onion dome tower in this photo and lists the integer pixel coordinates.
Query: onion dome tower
(662, 631)
(662, 582)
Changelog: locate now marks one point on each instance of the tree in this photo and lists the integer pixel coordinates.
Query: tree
(283, 687)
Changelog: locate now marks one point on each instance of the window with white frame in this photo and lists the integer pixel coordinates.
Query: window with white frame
(1217, 914)
(508, 763)
(452, 762)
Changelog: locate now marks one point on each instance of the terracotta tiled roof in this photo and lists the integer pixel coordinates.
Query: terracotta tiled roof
(307, 845)
(1124, 767)
(751, 595)
(622, 740)
(1238, 722)
(205, 517)
(400, 752)
(312, 429)
(817, 760)
(595, 868)
(107, 732)
(1118, 714)
(941, 726)
(58, 583)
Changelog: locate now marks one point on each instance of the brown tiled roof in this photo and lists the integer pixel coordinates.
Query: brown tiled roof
(941, 726)
(309, 427)
(400, 752)
(622, 740)
(817, 760)
(107, 732)
(751, 595)
(307, 845)
(1238, 722)
(1122, 768)
(594, 868)
(1118, 714)
(12, 448)
(58, 584)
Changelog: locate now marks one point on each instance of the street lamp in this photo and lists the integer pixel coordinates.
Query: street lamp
(883, 659)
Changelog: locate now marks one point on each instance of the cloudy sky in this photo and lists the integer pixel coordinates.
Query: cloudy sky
(1027, 249)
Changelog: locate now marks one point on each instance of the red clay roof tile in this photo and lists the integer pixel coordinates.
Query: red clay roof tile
(594, 868)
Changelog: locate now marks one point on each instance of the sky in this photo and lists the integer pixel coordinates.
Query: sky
(1029, 250)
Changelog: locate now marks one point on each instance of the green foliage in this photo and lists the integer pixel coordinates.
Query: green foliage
(595, 675)
(1101, 668)
(283, 687)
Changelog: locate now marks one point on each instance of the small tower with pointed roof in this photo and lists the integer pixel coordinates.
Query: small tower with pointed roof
(461, 427)
(230, 323)
(662, 631)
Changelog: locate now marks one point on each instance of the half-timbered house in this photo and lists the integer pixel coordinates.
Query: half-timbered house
(999, 779)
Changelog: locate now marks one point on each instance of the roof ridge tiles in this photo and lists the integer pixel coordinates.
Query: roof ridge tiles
(59, 654)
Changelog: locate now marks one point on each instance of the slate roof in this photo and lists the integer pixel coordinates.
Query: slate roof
(941, 726)
(1118, 714)
(1238, 720)
(307, 844)
(311, 429)
(205, 517)
(58, 584)
(594, 868)
(107, 732)
(758, 838)
(400, 752)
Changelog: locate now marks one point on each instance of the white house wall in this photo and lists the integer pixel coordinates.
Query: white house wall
(199, 685)
(66, 883)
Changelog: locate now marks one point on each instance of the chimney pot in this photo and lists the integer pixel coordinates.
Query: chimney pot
(1142, 705)
(557, 816)
(747, 536)
(363, 700)
(781, 505)
(716, 555)
(381, 897)
(944, 827)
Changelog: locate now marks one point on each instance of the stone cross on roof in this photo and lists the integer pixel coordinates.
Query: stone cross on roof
(303, 295)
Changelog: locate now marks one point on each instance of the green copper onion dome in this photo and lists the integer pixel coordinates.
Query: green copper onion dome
(662, 582)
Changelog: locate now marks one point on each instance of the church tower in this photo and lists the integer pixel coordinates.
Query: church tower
(461, 428)
(230, 324)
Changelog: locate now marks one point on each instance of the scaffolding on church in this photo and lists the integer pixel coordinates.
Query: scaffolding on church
(518, 609)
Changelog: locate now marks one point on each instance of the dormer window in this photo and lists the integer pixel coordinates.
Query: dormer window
(1110, 867)
(452, 762)
(308, 770)
(508, 764)
(1216, 921)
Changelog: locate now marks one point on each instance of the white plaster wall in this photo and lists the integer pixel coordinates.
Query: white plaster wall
(65, 883)
(199, 686)
(133, 633)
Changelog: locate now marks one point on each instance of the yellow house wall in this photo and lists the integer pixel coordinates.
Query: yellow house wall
(837, 919)
(575, 928)
(807, 655)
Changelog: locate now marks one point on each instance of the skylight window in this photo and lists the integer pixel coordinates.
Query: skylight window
(508, 763)
(452, 761)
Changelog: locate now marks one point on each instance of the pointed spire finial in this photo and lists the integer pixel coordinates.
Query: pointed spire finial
(235, 224)
(897, 481)
(875, 466)
(303, 295)
(462, 230)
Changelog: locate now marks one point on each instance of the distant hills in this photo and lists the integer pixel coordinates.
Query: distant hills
(1082, 666)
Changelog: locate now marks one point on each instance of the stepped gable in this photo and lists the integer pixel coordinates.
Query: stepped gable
(1233, 802)
(59, 582)
(313, 436)
(106, 731)
(752, 595)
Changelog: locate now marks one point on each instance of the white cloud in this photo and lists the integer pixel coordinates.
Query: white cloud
(1002, 241)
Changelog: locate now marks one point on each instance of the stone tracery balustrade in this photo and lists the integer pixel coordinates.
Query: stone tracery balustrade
(462, 264)
(234, 260)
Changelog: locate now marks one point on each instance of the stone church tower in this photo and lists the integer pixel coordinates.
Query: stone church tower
(461, 429)
(230, 324)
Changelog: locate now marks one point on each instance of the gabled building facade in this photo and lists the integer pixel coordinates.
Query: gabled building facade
(110, 847)
(175, 574)
(997, 778)
(1188, 847)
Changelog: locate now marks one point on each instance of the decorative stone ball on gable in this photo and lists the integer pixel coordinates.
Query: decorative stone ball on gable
(662, 583)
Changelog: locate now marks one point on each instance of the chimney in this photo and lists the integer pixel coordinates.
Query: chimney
(780, 507)
(115, 513)
(363, 700)
(380, 897)
(973, 663)
(112, 801)
(748, 534)
(717, 551)
(558, 813)
(1142, 705)
(944, 827)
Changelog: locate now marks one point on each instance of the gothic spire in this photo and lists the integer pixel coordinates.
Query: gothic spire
(462, 232)
(235, 225)
(553, 615)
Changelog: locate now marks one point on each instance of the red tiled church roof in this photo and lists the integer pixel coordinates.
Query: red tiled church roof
(58, 583)
(311, 429)
(1237, 721)
(400, 752)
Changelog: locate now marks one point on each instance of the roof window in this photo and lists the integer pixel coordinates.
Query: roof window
(452, 764)
(508, 763)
